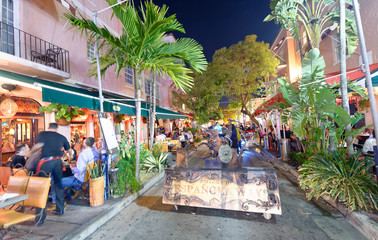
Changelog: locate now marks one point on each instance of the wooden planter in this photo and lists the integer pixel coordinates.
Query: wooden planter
(96, 191)
(62, 122)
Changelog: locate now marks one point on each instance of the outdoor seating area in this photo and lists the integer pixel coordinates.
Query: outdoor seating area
(27, 191)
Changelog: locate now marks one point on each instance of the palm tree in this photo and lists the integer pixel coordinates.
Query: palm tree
(141, 47)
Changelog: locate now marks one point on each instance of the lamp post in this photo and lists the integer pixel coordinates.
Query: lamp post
(369, 85)
(95, 12)
(104, 155)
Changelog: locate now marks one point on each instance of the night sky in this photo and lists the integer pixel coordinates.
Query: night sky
(221, 23)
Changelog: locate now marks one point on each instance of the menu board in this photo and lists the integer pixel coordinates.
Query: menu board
(109, 134)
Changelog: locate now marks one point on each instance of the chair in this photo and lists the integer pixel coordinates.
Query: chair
(164, 147)
(5, 173)
(37, 190)
(20, 172)
(17, 184)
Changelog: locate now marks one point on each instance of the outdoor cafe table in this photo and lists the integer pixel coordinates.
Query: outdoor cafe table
(9, 199)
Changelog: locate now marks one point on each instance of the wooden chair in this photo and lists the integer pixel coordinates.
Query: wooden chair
(17, 184)
(20, 172)
(5, 173)
(164, 147)
(37, 190)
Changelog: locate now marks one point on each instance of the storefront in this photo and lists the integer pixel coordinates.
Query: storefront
(21, 128)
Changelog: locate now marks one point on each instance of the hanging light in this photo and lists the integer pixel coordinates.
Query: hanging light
(8, 107)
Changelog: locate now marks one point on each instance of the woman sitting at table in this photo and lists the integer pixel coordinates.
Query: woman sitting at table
(18, 159)
(369, 144)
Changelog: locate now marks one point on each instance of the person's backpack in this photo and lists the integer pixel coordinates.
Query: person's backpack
(238, 134)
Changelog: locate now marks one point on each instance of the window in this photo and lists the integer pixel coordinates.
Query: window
(147, 87)
(336, 45)
(7, 31)
(91, 51)
(129, 75)
(157, 91)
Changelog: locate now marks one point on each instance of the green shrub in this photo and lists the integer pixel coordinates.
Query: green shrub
(344, 179)
(197, 140)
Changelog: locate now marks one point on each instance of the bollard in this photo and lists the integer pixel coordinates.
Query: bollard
(285, 149)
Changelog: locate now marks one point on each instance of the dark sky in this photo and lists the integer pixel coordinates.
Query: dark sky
(221, 23)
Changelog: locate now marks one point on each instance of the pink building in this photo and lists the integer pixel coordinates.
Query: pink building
(47, 60)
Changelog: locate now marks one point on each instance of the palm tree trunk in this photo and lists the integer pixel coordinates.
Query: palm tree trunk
(343, 80)
(152, 117)
(137, 121)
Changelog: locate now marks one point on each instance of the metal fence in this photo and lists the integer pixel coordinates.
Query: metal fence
(24, 45)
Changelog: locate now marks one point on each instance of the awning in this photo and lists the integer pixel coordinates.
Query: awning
(161, 113)
(275, 101)
(354, 74)
(69, 95)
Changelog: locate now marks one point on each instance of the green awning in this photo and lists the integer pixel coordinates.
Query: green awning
(161, 113)
(69, 95)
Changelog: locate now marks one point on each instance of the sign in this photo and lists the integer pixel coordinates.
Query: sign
(109, 134)
(247, 189)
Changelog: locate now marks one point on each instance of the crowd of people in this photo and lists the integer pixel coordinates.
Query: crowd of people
(53, 156)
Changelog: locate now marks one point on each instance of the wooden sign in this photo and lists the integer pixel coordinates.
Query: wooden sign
(247, 189)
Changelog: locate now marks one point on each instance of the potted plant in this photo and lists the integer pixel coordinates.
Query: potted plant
(118, 118)
(63, 113)
(96, 185)
(197, 141)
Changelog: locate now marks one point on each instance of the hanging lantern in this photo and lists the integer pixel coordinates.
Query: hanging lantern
(8, 107)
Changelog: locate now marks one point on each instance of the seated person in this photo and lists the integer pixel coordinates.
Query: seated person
(176, 134)
(18, 159)
(7, 147)
(88, 155)
(161, 137)
(369, 144)
(34, 158)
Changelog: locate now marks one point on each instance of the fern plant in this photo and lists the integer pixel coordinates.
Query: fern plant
(344, 179)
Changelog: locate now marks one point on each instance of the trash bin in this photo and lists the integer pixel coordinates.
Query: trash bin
(285, 149)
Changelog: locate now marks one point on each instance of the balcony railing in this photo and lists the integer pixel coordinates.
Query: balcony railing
(24, 45)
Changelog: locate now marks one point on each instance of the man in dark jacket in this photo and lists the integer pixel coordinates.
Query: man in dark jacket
(51, 163)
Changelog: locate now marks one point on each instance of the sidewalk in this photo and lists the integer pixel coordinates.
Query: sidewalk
(79, 219)
(366, 223)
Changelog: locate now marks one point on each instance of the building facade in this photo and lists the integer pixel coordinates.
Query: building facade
(286, 49)
(45, 60)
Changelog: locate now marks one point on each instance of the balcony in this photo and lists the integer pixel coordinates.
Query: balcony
(26, 54)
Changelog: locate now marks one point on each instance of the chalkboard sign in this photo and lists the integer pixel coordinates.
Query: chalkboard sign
(109, 134)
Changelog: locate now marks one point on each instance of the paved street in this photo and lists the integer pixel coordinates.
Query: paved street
(148, 218)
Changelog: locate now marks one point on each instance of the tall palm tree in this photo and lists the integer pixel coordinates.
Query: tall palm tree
(141, 46)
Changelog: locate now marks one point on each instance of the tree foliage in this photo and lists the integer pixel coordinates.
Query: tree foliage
(203, 99)
(316, 17)
(243, 67)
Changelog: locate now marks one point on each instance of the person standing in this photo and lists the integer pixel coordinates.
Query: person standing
(51, 163)
(234, 138)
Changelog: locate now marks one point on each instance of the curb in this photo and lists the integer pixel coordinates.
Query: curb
(367, 226)
(90, 227)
